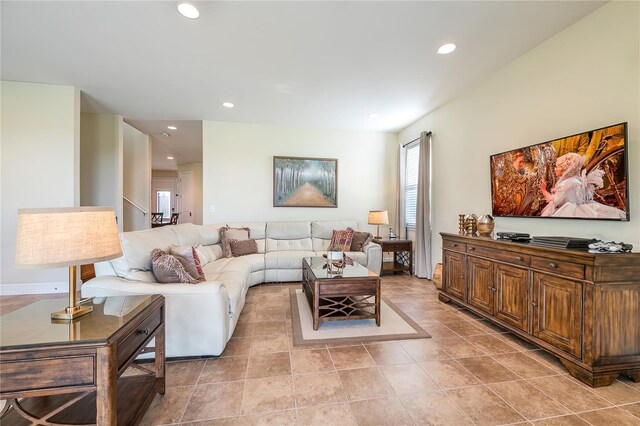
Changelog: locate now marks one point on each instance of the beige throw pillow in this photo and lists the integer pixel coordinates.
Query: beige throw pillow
(227, 233)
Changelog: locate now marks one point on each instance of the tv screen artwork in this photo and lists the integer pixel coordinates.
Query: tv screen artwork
(581, 176)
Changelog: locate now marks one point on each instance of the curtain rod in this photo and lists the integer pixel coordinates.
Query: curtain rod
(410, 142)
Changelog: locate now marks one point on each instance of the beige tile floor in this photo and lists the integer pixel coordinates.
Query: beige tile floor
(469, 373)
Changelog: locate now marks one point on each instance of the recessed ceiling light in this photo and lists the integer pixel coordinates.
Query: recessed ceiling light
(166, 135)
(172, 128)
(228, 105)
(445, 49)
(374, 115)
(169, 158)
(188, 10)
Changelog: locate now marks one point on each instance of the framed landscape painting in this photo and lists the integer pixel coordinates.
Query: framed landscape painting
(305, 182)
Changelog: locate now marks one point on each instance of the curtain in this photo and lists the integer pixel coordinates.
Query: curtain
(399, 222)
(422, 259)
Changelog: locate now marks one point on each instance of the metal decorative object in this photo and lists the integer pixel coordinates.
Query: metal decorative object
(471, 225)
(486, 224)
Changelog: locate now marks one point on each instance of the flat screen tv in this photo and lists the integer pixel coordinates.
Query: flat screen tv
(583, 176)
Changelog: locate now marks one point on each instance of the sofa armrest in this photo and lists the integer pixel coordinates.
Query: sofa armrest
(374, 257)
(197, 315)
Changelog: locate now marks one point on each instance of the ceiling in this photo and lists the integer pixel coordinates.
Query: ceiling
(318, 64)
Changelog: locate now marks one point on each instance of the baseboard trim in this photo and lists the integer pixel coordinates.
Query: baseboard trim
(36, 288)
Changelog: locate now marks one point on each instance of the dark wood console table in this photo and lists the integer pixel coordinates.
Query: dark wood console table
(579, 306)
(402, 256)
(70, 372)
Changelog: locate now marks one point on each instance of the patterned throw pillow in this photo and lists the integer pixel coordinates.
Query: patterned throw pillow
(360, 239)
(243, 247)
(189, 253)
(168, 268)
(227, 233)
(341, 239)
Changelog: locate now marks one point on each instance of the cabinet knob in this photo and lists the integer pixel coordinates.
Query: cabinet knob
(454, 245)
(144, 331)
(461, 277)
(534, 304)
(519, 258)
(553, 265)
(472, 248)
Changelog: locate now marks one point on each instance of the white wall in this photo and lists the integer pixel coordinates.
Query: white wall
(137, 178)
(40, 168)
(101, 163)
(586, 77)
(196, 171)
(238, 171)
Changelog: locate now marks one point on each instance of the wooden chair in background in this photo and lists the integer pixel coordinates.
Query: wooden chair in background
(156, 219)
(174, 218)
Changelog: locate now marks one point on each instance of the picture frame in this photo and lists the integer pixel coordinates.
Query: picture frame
(305, 182)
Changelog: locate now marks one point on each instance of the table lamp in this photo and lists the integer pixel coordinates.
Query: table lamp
(56, 237)
(378, 217)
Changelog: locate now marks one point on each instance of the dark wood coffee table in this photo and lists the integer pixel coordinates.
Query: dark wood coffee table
(353, 295)
(71, 372)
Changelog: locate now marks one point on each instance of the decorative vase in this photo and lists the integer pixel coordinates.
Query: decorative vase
(486, 224)
(335, 262)
(471, 225)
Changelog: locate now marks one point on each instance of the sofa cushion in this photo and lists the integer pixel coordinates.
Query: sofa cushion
(286, 259)
(136, 249)
(168, 268)
(243, 247)
(187, 234)
(288, 230)
(341, 240)
(324, 229)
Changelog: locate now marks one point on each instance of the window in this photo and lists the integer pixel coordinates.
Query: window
(411, 184)
(163, 202)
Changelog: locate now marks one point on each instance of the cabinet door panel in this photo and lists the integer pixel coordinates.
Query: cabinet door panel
(558, 312)
(481, 285)
(453, 282)
(512, 301)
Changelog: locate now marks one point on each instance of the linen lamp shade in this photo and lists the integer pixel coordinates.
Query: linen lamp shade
(378, 217)
(58, 237)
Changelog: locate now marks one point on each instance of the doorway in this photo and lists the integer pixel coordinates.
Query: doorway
(185, 197)
(163, 195)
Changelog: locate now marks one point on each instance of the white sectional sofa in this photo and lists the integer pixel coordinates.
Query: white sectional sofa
(200, 318)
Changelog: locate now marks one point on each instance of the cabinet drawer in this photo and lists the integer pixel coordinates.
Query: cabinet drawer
(44, 373)
(505, 256)
(132, 342)
(396, 247)
(454, 245)
(568, 269)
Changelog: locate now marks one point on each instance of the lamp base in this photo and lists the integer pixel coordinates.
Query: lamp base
(71, 312)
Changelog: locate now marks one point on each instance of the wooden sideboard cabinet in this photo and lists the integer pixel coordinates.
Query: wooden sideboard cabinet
(582, 307)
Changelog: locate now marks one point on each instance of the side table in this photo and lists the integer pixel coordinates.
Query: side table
(72, 372)
(402, 256)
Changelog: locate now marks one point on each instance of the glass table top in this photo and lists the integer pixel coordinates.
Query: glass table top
(32, 325)
(318, 266)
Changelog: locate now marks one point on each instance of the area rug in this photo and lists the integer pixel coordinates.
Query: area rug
(394, 325)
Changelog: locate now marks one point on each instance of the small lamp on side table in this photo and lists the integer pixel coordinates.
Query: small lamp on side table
(57, 237)
(378, 217)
